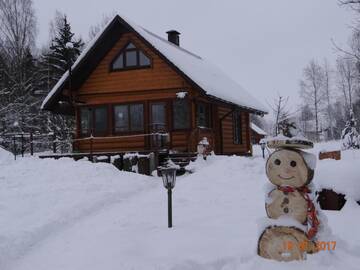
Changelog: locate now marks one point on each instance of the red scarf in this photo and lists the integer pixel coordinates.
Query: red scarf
(312, 220)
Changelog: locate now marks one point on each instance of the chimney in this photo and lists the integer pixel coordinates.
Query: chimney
(173, 37)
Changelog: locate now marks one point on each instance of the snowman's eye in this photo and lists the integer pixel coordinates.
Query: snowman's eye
(293, 163)
(277, 162)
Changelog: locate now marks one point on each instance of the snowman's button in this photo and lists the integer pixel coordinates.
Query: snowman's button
(286, 210)
(286, 200)
(286, 193)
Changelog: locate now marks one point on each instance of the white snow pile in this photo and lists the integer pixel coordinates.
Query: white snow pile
(342, 176)
(181, 95)
(62, 214)
(5, 156)
(257, 129)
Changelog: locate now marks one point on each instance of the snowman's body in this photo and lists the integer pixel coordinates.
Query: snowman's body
(288, 169)
(286, 203)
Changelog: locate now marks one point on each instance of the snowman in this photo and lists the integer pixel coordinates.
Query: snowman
(290, 170)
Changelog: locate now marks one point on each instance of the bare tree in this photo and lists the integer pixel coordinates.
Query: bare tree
(346, 77)
(354, 4)
(311, 90)
(328, 96)
(97, 28)
(18, 65)
(17, 31)
(280, 111)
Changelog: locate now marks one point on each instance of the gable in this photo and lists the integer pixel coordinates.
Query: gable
(195, 71)
(159, 75)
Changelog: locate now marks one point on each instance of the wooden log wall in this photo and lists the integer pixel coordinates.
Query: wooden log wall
(229, 147)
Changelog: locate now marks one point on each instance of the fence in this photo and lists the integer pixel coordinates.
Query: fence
(21, 143)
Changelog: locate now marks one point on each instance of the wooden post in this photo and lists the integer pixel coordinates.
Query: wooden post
(122, 161)
(54, 143)
(22, 145)
(31, 144)
(14, 146)
(91, 148)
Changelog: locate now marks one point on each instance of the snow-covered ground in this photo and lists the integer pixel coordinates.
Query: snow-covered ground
(78, 215)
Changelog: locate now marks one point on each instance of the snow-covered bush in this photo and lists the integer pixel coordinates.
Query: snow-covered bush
(350, 137)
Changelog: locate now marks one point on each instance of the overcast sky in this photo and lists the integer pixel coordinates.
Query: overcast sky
(262, 44)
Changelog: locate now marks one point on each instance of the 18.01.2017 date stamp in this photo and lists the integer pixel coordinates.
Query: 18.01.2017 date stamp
(303, 246)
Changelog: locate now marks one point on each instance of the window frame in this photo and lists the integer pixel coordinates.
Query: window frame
(129, 131)
(208, 114)
(92, 130)
(173, 114)
(237, 127)
(123, 51)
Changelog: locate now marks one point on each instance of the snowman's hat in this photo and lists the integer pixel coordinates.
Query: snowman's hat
(282, 141)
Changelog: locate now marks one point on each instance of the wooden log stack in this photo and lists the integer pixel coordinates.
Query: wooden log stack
(290, 170)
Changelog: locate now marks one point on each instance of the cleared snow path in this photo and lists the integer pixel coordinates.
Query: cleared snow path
(41, 198)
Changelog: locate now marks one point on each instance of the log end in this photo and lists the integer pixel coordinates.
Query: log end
(283, 243)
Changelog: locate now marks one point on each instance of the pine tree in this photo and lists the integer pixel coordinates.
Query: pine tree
(59, 57)
(54, 62)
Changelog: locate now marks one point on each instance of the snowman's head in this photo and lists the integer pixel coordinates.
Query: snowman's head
(287, 167)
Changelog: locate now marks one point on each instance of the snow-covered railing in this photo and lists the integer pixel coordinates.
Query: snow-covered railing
(20, 143)
(121, 137)
(153, 135)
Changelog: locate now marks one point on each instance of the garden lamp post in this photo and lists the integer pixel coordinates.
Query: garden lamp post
(169, 178)
(69, 47)
(262, 145)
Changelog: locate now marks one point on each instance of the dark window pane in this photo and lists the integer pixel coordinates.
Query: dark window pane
(158, 116)
(100, 126)
(144, 60)
(85, 121)
(121, 117)
(137, 117)
(119, 62)
(181, 116)
(130, 46)
(131, 59)
(237, 128)
(203, 115)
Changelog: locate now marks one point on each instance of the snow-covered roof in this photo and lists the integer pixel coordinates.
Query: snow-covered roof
(203, 73)
(258, 130)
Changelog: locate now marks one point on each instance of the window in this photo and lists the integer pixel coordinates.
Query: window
(181, 115)
(129, 117)
(237, 128)
(100, 123)
(130, 58)
(137, 117)
(203, 115)
(85, 121)
(93, 121)
(121, 118)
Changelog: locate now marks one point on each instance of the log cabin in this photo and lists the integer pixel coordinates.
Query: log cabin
(256, 133)
(132, 90)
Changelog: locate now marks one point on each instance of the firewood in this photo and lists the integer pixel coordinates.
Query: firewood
(283, 243)
(287, 167)
(330, 155)
(292, 204)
